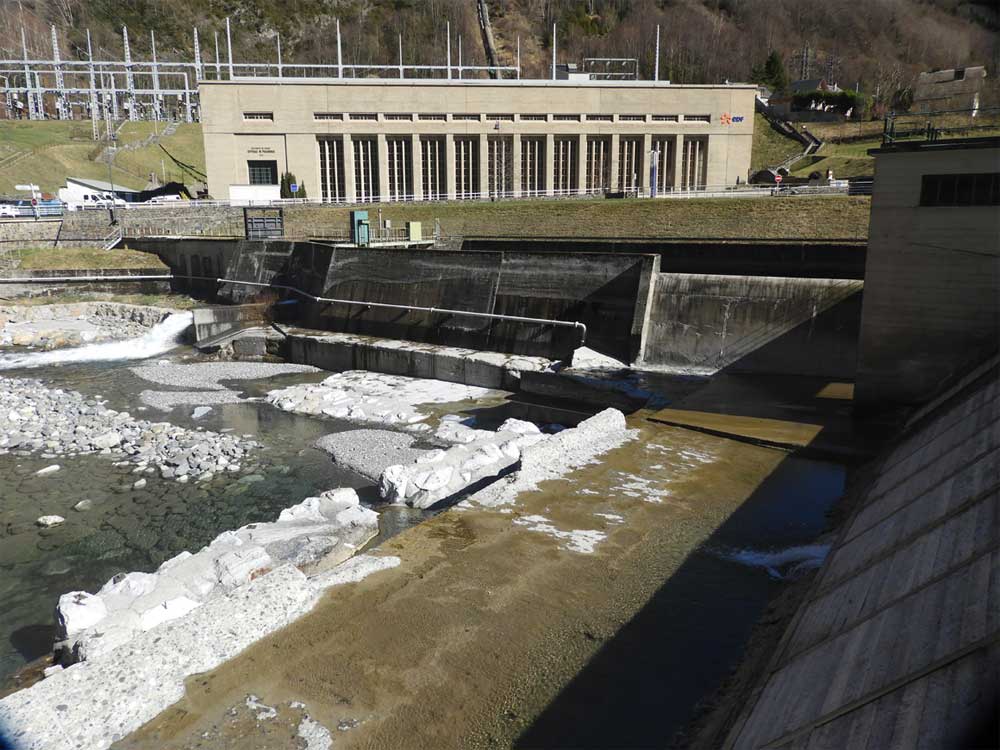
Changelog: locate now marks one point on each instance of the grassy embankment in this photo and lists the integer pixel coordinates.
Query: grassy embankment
(851, 159)
(770, 147)
(821, 217)
(85, 259)
(46, 153)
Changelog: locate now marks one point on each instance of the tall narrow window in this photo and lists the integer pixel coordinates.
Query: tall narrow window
(630, 164)
(331, 169)
(532, 166)
(598, 164)
(664, 151)
(400, 169)
(564, 178)
(466, 167)
(432, 168)
(366, 187)
(694, 167)
(501, 166)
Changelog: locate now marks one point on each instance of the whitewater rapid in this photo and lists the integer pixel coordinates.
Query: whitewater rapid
(161, 338)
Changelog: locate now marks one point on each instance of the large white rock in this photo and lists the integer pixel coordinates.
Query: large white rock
(49, 521)
(78, 611)
(166, 611)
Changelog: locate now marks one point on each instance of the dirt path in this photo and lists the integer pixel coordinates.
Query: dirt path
(492, 633)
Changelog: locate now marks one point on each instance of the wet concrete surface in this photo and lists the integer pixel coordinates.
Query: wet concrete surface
(494, 633)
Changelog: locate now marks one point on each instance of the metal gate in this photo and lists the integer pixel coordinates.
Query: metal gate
(263, 223)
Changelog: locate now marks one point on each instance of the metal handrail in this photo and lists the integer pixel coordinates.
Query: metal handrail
(582, 327)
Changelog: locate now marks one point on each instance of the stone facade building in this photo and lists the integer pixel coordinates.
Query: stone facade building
(367, 140)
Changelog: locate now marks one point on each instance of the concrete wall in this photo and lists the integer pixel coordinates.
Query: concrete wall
(792, 326)
(601, 291)
(290, 138)
(824, 259)
(932, 304)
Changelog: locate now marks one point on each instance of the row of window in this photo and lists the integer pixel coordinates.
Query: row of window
(979, 189)
(372, 116)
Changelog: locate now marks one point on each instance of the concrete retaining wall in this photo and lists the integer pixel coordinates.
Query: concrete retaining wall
(210, 322)
(757, 324)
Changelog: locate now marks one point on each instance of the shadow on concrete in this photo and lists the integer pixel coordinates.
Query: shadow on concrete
(644, 685)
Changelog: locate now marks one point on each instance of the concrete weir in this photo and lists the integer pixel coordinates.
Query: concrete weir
(633, 311)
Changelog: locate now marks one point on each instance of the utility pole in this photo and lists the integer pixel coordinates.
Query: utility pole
(553, 52)
(93, 89)
(61, 108)
(133, 114)
(656, 63)
(229, 48)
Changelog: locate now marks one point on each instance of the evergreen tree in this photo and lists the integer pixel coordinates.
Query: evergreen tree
(772, 73)
(287, 180)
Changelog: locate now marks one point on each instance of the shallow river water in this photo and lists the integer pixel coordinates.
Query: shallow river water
(127, 529)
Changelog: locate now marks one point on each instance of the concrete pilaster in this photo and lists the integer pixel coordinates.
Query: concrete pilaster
(678, 162)
(416, 168)
(550, 172)
(484, 166)
(449, 166)
(581, 164)
(383, 169)
(516, 171)
(647, 145)
(349, 189)
(615, 145)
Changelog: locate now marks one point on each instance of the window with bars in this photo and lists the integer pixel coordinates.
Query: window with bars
(466, 167)
(533, 118)
(629, 164)
(432, 116)
(363, 116)
(564, 177)
(532, 166)
(466, 117)
(398, 116)
(400, 169)
(631, 118)
(501, 166)
(566, 118)
(979, 189)
(366, 187)
(665, 118)
(264, 116)
(697, 118)
(598, 164)
(502, 118)
(331, 169)
(664, 155)
(328, 115)
(600, 118)
(694, 164)
(432, 168)
(262, 172)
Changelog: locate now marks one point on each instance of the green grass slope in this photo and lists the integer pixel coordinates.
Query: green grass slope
(770, 147)
(46, 153)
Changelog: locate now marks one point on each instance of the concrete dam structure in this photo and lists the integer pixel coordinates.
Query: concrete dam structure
(633, 311)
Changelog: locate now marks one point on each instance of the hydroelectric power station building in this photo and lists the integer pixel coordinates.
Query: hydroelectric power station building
(367, 140)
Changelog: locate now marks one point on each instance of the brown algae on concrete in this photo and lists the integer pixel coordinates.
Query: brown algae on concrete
(488, 627)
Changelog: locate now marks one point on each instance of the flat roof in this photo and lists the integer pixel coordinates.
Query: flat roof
(944, 144)
(505, 82)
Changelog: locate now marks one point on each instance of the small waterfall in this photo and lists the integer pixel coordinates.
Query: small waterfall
(161, 338)
(781, 564)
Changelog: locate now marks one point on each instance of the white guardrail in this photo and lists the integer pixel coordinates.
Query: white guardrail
(858, 187)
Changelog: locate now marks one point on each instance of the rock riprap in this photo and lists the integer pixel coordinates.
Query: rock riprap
(326, 529)
(373, 398)
(62, 422)
(474, 456)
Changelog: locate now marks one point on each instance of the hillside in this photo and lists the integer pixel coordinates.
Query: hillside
(46, 153)
(879, 44)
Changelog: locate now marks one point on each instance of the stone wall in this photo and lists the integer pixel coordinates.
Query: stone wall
(704, 323)
(18, 233)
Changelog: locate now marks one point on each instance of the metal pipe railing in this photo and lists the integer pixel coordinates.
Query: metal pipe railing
(582, 327)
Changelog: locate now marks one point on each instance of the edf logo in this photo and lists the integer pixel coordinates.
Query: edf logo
(728, 119)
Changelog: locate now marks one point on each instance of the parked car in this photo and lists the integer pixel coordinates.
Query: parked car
(7, 211)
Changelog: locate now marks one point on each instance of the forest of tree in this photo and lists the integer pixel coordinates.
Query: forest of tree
(877, 45)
